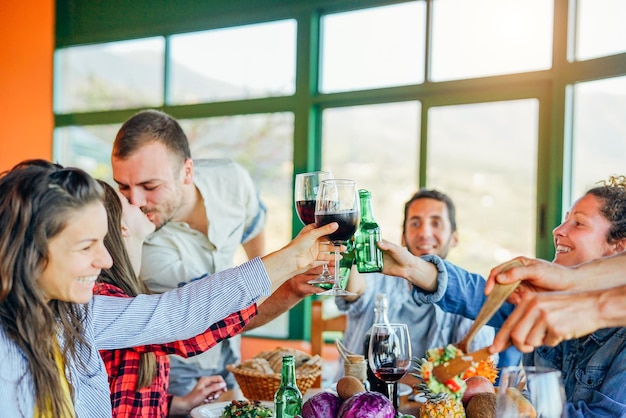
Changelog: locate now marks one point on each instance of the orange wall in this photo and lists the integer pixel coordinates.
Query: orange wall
(27, 34)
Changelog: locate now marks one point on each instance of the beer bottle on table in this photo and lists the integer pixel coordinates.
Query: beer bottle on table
(369, 258)
(288, 399)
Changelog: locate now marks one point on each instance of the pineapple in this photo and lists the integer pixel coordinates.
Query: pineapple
(440, 403)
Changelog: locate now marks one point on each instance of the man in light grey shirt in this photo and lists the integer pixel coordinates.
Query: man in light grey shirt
(203, 211)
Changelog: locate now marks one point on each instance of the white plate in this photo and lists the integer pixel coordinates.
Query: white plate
(403, 390)
(214, 410)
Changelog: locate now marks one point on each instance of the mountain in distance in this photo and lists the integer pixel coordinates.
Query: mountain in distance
(94, 79)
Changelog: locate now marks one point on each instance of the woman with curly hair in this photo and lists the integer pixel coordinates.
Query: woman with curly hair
(593, 366)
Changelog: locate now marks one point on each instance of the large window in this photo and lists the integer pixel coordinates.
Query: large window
(513, 108)
(488, 37)
(364, 143)
(600, 28)
(104, 77)
(234, 63)
(484, 156)
(599, 133)
(371, 48)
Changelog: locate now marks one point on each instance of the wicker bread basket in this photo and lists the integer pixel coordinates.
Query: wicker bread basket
(259, 377)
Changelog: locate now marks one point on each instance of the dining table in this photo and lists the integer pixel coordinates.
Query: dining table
(407, 404)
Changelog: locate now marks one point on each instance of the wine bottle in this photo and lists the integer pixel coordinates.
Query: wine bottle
(369, 258)
(288, 399)
(380, 317)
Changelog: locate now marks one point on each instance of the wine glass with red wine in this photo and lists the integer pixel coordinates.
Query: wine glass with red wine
(389, 353)
(338, 201)
(305, 192)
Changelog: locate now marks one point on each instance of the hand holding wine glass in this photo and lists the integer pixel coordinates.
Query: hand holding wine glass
(305, 194)
(389, 353)
(338, 201)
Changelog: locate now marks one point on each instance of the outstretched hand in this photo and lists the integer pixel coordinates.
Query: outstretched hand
(309, 247)
(307, 250)
(547, 318)
(536, 275)
(299, 283)
(396, 259)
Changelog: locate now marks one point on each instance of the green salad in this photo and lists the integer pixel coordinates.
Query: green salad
(246, 409)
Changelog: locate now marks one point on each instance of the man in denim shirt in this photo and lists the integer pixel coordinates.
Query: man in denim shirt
(429, 227)
(593, 367)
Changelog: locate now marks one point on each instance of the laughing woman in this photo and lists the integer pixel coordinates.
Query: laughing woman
(594, 366)
(52, 229)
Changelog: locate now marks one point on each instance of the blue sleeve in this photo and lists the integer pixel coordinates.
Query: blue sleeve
(463, 293)
(460, 292)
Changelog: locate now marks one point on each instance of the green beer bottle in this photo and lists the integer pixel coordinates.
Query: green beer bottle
(288, 399)
(369, 258)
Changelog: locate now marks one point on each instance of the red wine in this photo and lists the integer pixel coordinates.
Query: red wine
(348, 222)
(376, 384)
(306, 211)
(390, 374)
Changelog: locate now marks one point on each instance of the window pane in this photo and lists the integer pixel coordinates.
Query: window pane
(378, 146)
(372, 48)
(263, 144)
(600, 28)
(235, 63)
(116, 75)
(86, 147)
(484, 156)
(488, 37)
(599, 133)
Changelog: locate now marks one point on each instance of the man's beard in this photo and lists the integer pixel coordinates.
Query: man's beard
(164, 221)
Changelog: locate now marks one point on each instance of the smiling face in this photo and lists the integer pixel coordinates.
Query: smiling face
(583, 235)
(152, 179)
(76, 255)
(427, 229)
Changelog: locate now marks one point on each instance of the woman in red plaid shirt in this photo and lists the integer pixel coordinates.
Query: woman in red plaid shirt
(138, 376)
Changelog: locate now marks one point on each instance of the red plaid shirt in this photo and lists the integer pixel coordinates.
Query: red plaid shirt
(122, 365)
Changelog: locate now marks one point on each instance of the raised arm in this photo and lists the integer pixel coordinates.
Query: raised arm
(540, 275)
(398, 261)
(547, 318)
